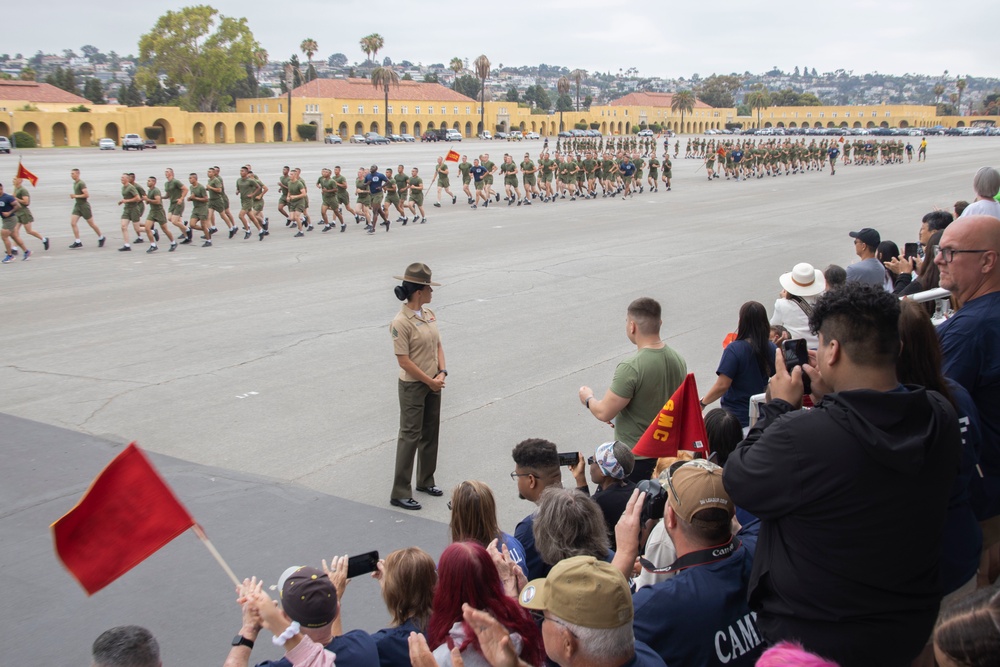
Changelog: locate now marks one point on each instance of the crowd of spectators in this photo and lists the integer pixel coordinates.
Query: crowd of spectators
(853, 523)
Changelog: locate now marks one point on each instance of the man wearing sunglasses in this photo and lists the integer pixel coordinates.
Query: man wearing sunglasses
(852, 494)
(968, 261)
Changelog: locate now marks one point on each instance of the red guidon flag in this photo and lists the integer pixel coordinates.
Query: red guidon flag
(679, 425)
(126, 515)
(22, 172)
(452, 156)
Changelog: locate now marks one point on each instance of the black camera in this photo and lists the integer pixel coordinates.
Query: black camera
(655, 502)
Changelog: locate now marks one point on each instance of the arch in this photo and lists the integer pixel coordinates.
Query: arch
(506, 126)
(604, 127)
(780, 124)
(857, 124)
(455, 126)
(870, 124)
(479, 127)
(884, 123)
(359, 128)
(373, 127)
(621, 126)
(220, 133)
(32, 129)
(86, 134)
(831, 124)
(240, 133)
(59, 135)
(468, 129)
(903, 124)
(521, 126)
(259, 133)
(767, 124)
(430, 125)
(404, 127)
(389, 128)
(278, 132)
(417, 129)
(628, 127)
(960, 123)
(166, 131)
(198, 133)
(111, 131)
(843, 124)
(792, 124)
(4, 129)
(533, 128)
(443, 125)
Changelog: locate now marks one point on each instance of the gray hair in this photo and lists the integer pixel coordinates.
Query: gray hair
(569, 524)
(603, 644)
(986, 182)
(126, 646)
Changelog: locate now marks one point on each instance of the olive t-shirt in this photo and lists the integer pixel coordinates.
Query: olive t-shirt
(648, 378)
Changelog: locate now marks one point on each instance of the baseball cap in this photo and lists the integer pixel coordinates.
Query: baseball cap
(697, 485)
(868, 236)
(308, 596)
(583, 591)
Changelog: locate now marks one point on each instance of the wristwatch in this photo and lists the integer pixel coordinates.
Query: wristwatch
(240, 640)
(443, 371)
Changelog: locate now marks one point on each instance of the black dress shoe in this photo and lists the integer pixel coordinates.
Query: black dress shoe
(405, 503)
(430, 490)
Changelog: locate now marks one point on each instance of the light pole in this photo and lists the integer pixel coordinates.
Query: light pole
(332, 130)
(13, 139)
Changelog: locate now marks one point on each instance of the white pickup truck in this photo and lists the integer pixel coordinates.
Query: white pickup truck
(133, 141)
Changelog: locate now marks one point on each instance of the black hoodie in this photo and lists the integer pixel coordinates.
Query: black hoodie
(852, 496)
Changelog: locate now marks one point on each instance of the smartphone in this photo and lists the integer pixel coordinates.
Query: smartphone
(911, 250)
(796, 353)
(363, 564)
(569, 458)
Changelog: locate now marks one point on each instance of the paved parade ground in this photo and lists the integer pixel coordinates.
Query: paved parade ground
(271, 361)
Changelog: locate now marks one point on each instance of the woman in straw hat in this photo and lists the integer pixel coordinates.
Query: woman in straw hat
(417, 344)
(792, 310)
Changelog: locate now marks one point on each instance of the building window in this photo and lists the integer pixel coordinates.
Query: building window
(430, 111)
(375, 109)
(361, 108)
(626, 112)
(821, 114)
(467, 110)
(888, 114)
(344, 110)
(833, 115)
(265, 108)
(390, 108)
(809, 115)
(455, 111)
(279, 107)
(417, 108)
(847, 114)
(405, 110)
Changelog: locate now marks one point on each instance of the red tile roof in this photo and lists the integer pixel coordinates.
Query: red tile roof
(362, 89)
(651, 100)
(34, 91)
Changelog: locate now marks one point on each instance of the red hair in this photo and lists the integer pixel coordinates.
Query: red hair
(466, 574)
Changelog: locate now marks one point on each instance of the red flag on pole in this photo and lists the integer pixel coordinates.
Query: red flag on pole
(126, 515)
(679, 425)
(25, 174)
(452, 156)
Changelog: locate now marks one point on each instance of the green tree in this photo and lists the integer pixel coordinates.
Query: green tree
(93, 91)
(587, 101)
(456, 65)
(309, 47)
(960, 84)
(337, 60)
(201, 50)
(430, 77)
(129, 95)
(539, 96)
(563, 103)
(382, 79)
(759, 100)
(512, 94)
(28, 74)
(683, 101)
(372, 44)
(577, 76)
(482, 67)
(467, 85)
(719, 90)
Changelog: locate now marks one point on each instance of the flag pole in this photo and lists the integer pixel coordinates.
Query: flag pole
(215, 553)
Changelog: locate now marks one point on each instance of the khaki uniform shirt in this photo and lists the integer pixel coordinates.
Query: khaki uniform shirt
(417, 337)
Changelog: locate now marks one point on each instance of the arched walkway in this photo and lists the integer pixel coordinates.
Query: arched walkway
(220, 133)
(359, 128)
(417, 130)
(870, 124)
(198, 133)
(389, 129)
(792, 124)
(468, 129)
(857, 124)
(455, 126)
(884, 124)
(430, 125)
(4, 129)
(373, 127)
(166, 131)
(59, 135)
(111, 131)
(903, 123)
(32, 129)
(240, 133)
(404, 128)
(278, 132)
(780, 124)
(259, 133)
(830, 124)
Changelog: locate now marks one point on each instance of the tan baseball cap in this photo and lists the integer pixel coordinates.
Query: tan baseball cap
(583, 591)
(697, 485)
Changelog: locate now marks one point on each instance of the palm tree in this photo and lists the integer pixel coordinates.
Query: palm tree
(577, 76)
(960, 84)
(683, 101)
(456, 65)
(366, 46)
(309, 47)
(259, 58)
(482, 67)
(383, 77)
(562, 85)
(759, 99)
(372, 44)
(938, 92)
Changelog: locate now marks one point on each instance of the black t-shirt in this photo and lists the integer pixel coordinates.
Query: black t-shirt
(612, 501)
(478, 172)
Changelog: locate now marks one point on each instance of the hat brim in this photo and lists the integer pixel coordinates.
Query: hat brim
(412, 279)
(537, 598)
(818, 286)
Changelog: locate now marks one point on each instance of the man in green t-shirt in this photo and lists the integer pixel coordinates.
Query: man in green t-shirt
(283, 195)
(402, 189)
(528, 171)
(328, 193)
(463, 168)
(490, 168)
(509, 171)
(217, 203)
(416, 188)
(248, 187)
(81, 209)
(198, 196)
(296, 199)
(643, 382)
(141, 206)
(23, 213)
(130, 210)
(443, 181)
(176, 193)
(343, 196)
(156, 215)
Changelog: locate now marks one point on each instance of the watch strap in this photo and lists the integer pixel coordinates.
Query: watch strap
(240, 640)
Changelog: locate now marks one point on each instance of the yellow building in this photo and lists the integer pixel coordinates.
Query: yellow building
(859, 116)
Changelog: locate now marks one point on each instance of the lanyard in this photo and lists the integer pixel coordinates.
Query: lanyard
(695, 558)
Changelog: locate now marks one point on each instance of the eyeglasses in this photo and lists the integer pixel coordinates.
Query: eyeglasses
(590, 460)
(540, 618)
(948, 254)
(670, 476)
(514, 475)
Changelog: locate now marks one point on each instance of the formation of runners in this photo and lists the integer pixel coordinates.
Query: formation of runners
(578, 168)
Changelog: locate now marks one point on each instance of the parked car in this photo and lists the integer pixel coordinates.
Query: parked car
(408, 137)
(565, 134)
(395, 138)
(332, 139)
(915, 132)
(515, 135)
(375, 138)
(485, 135)
(435, 135)
(132, 141)
(149, 143)
(592, 133)
(532, 135)
(106, 144)
(648, 133)
(501, 135)
(358, 139)
(4, 145)
(453, 135)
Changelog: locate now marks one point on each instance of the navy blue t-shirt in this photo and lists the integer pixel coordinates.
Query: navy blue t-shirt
(375, 181)
(737, 156)
(644, 657)
(353, 649)
(393, 644)
(533, 566)
(627, 168)
(833, 153)
(739, 363)
(701, 615)
(970, 347)
(478, 172)
(6, 205)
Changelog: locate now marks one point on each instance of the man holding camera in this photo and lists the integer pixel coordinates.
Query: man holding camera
(852, 495)
(699, 616)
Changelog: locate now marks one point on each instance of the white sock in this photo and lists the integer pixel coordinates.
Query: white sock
(79, 241)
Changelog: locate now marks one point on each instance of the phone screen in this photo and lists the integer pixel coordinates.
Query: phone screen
(363, 564)
(796, 353)
(568, 458)
(910, 251)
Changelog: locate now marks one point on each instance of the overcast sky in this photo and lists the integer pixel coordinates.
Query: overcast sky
(658, 38)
